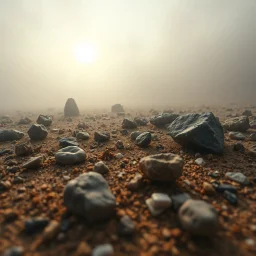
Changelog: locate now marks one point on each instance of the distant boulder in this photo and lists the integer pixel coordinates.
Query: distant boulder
(117, 108)
(25, 120)
(247, 113)
(71, 108)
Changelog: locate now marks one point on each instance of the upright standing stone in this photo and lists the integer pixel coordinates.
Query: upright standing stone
(71, 108)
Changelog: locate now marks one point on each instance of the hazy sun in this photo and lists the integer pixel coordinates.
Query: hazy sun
(85, 53)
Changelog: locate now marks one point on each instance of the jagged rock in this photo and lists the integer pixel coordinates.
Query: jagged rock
(71, 108)
(202, 132)
(89, 196)
(33, 162)
(144, 139)
(238, 177)
(237, 124)
(37, 132)
(70, 155)
(45, 120)
(10, 135)
(162, 167)
(163, 119)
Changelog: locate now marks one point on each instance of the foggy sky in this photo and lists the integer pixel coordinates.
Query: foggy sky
(150, 52)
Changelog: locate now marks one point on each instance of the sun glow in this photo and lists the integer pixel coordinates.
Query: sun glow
(85, 53)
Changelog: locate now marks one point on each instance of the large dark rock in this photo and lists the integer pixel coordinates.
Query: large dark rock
(37, 132)
(101, 136)
(163, 119)
(10, 135)
(237, 124)
(45, 120)
(202, 132)
(117, 108)
(144, 139)
(71, 108)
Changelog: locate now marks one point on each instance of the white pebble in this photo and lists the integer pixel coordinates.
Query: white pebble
(119, 155)
(103, 250)
(154, 211)
(200, 161)
(161, 200)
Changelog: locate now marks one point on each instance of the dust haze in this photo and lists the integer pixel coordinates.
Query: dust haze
(149, 53)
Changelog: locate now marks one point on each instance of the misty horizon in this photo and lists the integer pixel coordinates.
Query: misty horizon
(149, 53)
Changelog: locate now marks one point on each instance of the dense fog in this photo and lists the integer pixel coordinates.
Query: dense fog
(146, 53)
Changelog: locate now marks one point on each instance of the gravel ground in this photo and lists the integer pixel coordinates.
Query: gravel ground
(39, 193)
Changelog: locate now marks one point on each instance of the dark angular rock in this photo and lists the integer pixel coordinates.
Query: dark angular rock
(128, 124)
(144, 139)
(37, 132)
(124, 132)
(45, 120)
(224, 187)
(117, 108)
(10, 135)
(71, 108)
(23, 149)
(66, 142)
(232, 198)
(163, 119)
(202, 132)
(101, 136)
(239, 147)
(35, 225)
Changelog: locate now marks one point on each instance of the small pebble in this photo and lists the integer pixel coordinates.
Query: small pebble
(161, 200)
(103, 250)
(154, 211)
(126, 226)
(232, 198)
(200, 161)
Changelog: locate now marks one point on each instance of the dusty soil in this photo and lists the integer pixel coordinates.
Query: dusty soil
(41, 195)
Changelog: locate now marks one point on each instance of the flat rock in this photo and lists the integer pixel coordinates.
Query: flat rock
(162, 167)
(37, 132)
(70, 155)
(128, 124)
(237, 124)
(10, 135)
(236, 136)
(71, 108)
(163, 119)
(161, 200)
(202, 132)
(238, 177)
(45, 120)
(198, 217)
(33, 162)
(89, 196)
(144, 139)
